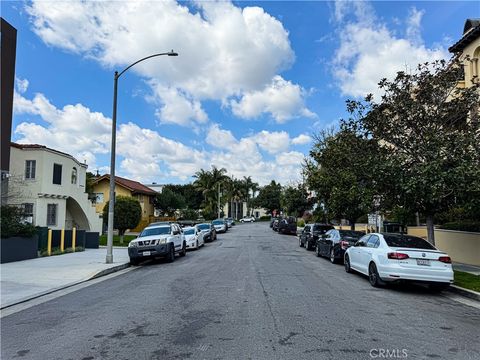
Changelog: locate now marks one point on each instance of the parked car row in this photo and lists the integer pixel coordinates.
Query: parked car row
(383, 257)
(168, 239)
(286, 225)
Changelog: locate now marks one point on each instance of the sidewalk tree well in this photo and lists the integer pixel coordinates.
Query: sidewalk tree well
(430, 131)
(127, 214)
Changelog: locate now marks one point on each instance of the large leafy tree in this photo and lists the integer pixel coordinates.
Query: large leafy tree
(269, 197)
(127, 213)
(342, 169)
(193, 198)
(295, 200)
(429, 127)
(168, 202)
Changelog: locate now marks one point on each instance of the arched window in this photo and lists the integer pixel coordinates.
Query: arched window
(476, 65)
(74, 175)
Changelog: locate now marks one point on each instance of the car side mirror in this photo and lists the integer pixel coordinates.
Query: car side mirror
(359, 243)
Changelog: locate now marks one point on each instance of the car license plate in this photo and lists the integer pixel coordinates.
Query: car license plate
(423, 262)
(146, 253)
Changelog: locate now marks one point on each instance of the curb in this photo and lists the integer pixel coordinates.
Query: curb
(109, 271)
(51, 291)
(464, 292)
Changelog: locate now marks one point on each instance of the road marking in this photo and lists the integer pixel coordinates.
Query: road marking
(40, 300)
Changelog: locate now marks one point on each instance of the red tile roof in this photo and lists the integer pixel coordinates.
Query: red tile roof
(133, 186)
(37, 146)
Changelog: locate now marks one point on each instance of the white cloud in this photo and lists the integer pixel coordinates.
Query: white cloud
(291, 158)
(21, 85)
(369, 51)
(178, 108)
(282, 99)
(74, 129)
(227, 51)
(272, 142)
(222, 139)
(301, 139)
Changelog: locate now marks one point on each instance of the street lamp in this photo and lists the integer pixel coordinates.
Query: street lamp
(111, 205)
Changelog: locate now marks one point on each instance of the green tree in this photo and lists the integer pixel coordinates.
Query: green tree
(127, 213)
(429, 128)
(13, 223)
(269, 197)
(193, 198)
(168, 202)
(208, 183)
(295, 200)
(342, 169)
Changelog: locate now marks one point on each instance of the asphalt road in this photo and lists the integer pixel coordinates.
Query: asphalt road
(252, 294)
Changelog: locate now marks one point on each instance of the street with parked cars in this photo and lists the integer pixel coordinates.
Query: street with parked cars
(254, 294)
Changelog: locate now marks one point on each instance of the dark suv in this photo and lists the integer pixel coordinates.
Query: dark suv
(288, 226)
(311, 233)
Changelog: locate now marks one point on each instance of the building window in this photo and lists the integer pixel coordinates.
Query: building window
(28, 212)
(30, 166)
(52, 214)
(74, 175)
(57, 174)
(98, 198)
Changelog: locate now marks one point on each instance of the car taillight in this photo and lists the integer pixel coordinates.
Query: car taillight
(397, 256)
(344, 245)
(445, 259)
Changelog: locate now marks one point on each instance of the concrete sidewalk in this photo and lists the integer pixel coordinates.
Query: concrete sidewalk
(472, 269)
(28, 279)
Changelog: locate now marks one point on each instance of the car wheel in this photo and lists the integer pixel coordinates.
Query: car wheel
(134, 262)
(332, 257)
(373, 276)
(183, 252)
(317, 250)
(171, 254)
(348, 269)
(196, 246)
(300, 242)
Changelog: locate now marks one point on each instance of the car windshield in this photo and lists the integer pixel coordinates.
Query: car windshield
(217, 222)
(188, 231)
(406, 241)
(204, 226)
(352, 234)
(322, 228)
(164, 230)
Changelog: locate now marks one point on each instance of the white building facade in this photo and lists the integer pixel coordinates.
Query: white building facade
(50, 187)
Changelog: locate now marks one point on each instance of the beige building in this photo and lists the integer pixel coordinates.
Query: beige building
(50, 187)
(124, 187)
(468, 50)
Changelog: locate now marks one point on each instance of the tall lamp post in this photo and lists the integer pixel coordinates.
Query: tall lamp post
(111, 205)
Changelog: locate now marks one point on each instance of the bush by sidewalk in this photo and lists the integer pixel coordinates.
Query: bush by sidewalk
(472, 226)
(467, 280)
(116, 240)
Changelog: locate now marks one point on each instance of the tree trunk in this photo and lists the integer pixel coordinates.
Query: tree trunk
(121, 236)
(352, 225)
(430, 229)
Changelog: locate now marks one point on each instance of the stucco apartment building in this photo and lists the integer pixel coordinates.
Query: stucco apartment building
(468, 51)
(124, 187)
(50, 187)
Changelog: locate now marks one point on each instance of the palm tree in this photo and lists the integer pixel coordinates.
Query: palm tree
(248, 185)
(208, 182)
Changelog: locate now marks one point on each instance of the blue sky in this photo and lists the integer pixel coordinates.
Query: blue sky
(253, 82)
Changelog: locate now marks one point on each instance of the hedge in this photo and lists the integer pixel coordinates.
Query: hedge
(471, 226)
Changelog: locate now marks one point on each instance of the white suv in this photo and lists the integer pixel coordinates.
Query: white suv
(247, 219)
(163, 240)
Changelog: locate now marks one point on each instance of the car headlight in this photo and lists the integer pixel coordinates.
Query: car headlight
(162, 241)
(132, 244)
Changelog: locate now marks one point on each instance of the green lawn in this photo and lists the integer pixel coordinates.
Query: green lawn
(467, 281)
(116, 240)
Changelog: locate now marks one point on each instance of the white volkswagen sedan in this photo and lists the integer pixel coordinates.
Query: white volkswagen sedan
(193, 237)
(393, 257)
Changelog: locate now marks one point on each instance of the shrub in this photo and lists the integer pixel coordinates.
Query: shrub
(472, 226)
(301, 223)
(12, 223)
(264, 218)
